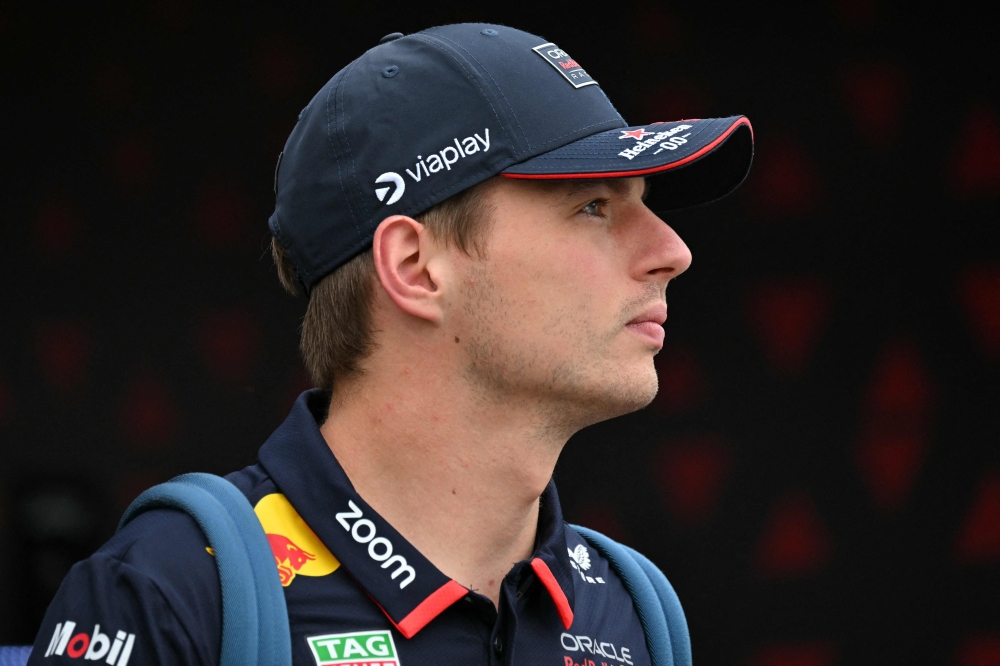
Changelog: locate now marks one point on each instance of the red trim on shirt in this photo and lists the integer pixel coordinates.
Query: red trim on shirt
(430, 608)
(637, 172)
(558, 596)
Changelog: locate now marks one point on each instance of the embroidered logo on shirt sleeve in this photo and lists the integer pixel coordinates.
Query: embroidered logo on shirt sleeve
(92, 646)
(296, 548)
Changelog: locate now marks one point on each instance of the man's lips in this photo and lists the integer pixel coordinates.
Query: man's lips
(649, 324)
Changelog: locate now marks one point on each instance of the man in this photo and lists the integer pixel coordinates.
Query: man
(464, 208)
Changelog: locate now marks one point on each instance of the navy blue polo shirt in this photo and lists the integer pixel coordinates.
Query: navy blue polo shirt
(357, 592)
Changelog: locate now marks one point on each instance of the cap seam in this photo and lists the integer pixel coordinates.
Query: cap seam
(510, 107)
(579, 129)
(366, 213)
(332, 119)
(427, 40)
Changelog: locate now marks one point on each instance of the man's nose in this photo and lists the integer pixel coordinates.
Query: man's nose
(663, 255)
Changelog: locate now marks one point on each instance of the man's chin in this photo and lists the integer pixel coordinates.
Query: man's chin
(621, 395)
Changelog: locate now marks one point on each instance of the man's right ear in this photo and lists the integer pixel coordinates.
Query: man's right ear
(407, 258)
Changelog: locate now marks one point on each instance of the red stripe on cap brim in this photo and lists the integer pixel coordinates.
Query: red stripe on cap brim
(638, 172)
(430, 608)
(555, 591)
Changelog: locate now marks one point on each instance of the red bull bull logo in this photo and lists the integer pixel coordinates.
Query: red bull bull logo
(287, 556)
(296, 548)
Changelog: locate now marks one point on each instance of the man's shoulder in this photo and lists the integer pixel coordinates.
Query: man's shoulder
(156, 581)
(169, 542)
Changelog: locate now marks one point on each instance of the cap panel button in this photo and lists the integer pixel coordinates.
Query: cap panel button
(391, 37)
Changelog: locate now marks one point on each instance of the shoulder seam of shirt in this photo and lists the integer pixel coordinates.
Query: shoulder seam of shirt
(163, 597)
(144, 533)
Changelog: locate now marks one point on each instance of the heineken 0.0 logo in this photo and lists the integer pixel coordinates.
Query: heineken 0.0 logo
(361, 648)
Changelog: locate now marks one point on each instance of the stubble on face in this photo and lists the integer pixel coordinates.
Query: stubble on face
(561, 364)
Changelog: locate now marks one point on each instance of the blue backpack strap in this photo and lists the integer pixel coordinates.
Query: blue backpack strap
(680, 639)
(14, 655)
(254, 616)
(655, 601)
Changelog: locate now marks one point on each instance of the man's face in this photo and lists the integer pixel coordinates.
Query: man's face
(565, 308)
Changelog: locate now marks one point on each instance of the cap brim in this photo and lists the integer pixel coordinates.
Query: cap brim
(700, 160)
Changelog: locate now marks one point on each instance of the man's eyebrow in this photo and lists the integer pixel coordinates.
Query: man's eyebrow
(619, 186)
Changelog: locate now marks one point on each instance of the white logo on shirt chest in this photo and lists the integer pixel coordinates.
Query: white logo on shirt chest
(579, 557)
(586, 644)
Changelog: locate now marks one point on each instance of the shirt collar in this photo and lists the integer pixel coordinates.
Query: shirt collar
(550, 560)
(407, 587)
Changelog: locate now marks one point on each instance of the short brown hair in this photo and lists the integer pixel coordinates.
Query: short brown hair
(337, 332)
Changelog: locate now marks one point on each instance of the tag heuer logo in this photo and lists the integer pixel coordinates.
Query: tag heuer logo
(362, 648)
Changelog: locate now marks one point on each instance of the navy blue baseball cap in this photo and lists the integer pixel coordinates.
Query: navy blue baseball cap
(422, 117)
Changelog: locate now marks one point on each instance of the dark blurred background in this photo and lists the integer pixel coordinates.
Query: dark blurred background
(820, 474)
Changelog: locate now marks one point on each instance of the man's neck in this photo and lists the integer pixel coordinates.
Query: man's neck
(458, 476)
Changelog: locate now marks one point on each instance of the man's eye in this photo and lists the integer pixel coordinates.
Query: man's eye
(594, 208)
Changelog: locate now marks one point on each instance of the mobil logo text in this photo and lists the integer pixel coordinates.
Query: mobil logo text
(91, 646)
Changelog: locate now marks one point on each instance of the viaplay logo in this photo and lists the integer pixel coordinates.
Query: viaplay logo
(361, 648)
(427, 167)
(397, 181)
(93, 646)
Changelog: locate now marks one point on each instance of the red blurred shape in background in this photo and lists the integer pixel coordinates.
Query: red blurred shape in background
(789, 316)
(229, 343)
(896, 422)
(682, 381)
(795, 542)
(980, 650)
(874, 95)
(819, 653)
(605, 519)
(900, 384)
(298, 382)
(979, 539)
(58, 228)
(221, 214)
(677, 100)
(113, 86)
(135, 483)
(660, 31)
(132, 161)
(979, 295)
(148, 416)
(63, 351)
(280, 65)
(784, 181)
(890, 463)
(173, 15)
(691, 474)
(975, 161)
(858, 15)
